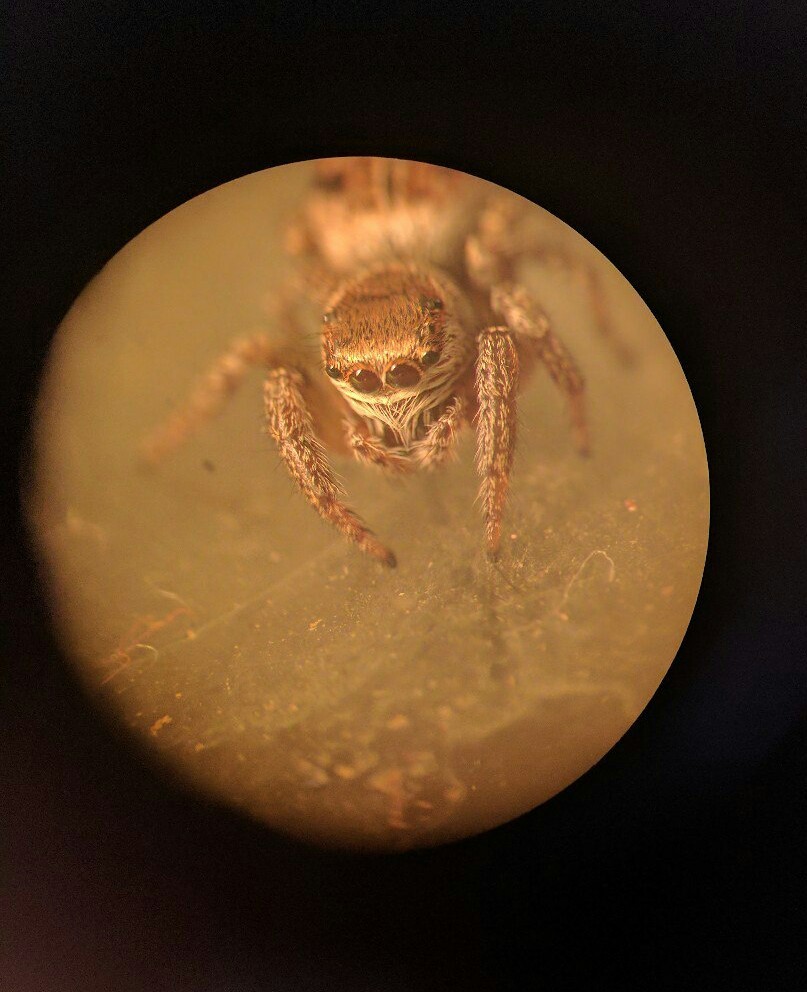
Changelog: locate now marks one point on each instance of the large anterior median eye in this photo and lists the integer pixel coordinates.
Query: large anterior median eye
(365, 381)
(402, 374)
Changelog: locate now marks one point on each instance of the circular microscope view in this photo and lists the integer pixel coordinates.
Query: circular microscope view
(371, 499)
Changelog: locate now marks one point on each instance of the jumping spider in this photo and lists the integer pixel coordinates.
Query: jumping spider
(425, 329)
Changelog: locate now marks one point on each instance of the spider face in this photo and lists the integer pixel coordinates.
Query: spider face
(394, 343)
(389, 334)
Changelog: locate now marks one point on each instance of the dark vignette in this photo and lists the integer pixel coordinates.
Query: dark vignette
(673, 140)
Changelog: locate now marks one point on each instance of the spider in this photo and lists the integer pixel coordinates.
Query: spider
(425, 329)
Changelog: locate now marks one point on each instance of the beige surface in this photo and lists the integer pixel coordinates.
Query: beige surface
(271, 664)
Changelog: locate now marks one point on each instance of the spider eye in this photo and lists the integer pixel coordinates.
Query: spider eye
(365, 381)
(333, 372)
(402, 374)
(431, 303)
(430, 358)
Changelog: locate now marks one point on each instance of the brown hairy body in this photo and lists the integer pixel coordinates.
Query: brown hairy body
(425, 330)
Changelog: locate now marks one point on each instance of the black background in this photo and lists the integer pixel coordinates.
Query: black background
(673, 138)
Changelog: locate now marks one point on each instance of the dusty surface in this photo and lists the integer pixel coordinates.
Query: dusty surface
(271, 664)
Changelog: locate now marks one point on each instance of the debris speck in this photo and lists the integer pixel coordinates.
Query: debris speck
(76, 526)
(454, 793)
(313, 777)
(630, 505)
(158, 725)
(389, 781)
(421, 763)
(315, 623)
(559, 611)
(346, 772)
(398, 722)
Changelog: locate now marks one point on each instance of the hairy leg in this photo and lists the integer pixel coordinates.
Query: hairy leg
(441, 437)
(290, 425)
(209, 396)
(496, 386)
(288, 422)
(587, 277)
(531, 326)
(370, 451)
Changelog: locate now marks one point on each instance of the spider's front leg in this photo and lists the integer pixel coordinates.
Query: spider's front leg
(497, 372)
(290, 424)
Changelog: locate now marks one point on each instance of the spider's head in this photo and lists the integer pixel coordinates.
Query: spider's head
(394, 333)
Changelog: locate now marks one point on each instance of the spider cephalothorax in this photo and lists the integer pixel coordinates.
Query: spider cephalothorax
(395, 342)
(425, 329)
